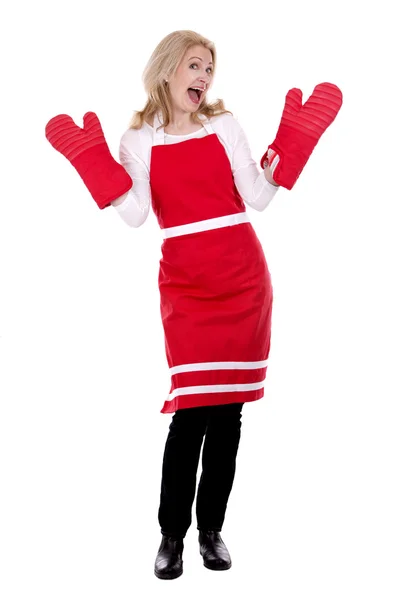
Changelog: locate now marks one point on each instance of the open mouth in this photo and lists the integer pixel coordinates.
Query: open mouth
(194, 95)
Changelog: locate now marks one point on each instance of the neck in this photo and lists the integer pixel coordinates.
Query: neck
(181, 119)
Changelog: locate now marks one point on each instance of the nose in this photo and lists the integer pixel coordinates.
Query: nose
(205, 80)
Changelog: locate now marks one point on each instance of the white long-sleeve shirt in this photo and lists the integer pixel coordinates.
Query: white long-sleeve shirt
(135, 152)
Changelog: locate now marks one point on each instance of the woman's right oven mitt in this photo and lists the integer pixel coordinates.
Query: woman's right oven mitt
(299, 131)
(87, 150)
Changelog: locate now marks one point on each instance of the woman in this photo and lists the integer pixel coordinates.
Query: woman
(191, 161)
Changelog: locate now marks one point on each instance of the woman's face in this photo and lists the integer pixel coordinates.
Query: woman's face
(194, 71)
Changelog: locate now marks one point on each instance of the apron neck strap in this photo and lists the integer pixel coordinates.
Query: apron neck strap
(158, 136)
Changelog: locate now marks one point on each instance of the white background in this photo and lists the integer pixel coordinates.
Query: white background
(83, 376)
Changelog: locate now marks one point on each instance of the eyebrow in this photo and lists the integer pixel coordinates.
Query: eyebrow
(210, 63)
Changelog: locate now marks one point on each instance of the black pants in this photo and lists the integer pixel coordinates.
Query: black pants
(220, 427)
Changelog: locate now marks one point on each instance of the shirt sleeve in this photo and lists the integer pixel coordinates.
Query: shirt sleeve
(134, 209)
(254, 189)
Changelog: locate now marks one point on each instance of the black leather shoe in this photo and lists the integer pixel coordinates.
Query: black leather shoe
(169, 563)
(213, 550)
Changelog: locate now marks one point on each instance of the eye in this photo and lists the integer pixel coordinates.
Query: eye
(210, 68)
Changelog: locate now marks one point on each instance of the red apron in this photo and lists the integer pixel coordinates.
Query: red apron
(215, 287)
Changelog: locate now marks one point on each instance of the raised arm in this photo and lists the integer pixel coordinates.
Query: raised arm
(257, 189)
(133, 207)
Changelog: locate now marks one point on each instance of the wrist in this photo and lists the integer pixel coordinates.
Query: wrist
(268, 176)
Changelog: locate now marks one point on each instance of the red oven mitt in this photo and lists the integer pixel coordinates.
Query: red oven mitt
(88, 152)
(299, 131)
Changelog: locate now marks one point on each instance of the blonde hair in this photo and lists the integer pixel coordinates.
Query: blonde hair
(163, 63)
